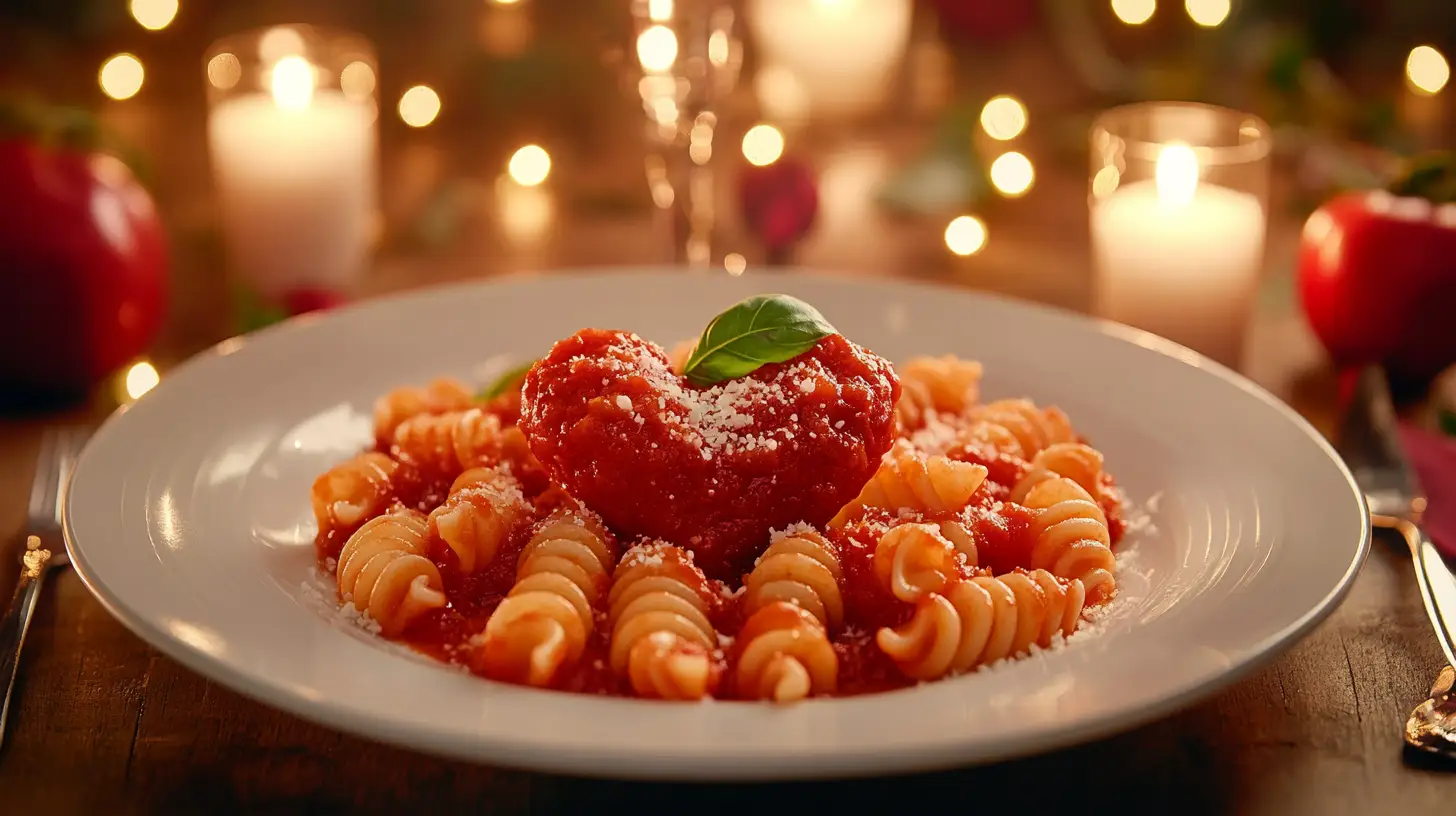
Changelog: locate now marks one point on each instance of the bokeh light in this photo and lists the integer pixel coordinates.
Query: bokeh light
(659, 11)
(657, 48)
(1134, 12)
(1208, 13)
(965, 235)
(141, 378)
(762, 145)
(357, 80)
(1003, 118)
(292, 83)
(121, 76)
(530, 165)
(224, 71)
(1106, 181)
(153, 15)
(1012, 174)
(735, 264)
(419, 106)
(1427, 70)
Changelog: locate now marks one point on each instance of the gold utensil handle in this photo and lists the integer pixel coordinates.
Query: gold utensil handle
(17, 620)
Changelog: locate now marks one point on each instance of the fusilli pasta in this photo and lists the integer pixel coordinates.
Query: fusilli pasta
(1073, 460)
(384, 569)
(476, 519)
(981, 620)
(661, 633)
(1071, 536)
(784, 654)
(353, 491)
(914, 560)
(1033, 428)
(541, 628)
(457, 440)
(941, 385)
(800, 568)
(438, 397)
(908, 479)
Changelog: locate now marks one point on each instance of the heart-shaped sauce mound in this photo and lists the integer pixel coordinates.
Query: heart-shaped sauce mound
(712, 469)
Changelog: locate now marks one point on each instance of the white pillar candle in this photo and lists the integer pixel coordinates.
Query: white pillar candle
(295, 172)
(1179, 257)
(827, 58)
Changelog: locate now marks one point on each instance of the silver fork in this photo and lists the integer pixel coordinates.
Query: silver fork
(43, 551)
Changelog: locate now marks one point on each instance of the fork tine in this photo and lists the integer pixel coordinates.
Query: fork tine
(71, 443)
(42, 486)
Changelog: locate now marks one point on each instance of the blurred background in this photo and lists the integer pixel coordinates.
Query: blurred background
(279, 157)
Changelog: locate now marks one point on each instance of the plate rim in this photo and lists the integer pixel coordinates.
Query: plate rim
(859, 762)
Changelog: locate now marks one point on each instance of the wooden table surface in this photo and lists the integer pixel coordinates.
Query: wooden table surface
(102, 723)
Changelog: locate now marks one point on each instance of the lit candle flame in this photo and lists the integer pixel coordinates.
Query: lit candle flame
(1176, 175)
(292, 83)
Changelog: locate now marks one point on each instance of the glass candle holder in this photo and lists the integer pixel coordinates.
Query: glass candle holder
(689, 54)
(291, 129)
(1179, 207)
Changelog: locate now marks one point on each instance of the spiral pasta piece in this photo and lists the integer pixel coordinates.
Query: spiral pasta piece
(1071, 536)
(353, 491)
(477, 518)
(914, 560)
(1073, 460)
(784, 654)
(1033, 428)
(661, 634)
(441, 396)
(981, 620)
(385, 571)
(540, 630)
(910, 480)
(572, 554)
(936, 385)
(802, 569)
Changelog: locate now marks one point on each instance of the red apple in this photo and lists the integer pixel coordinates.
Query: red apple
(1377, 278)
(83, 267)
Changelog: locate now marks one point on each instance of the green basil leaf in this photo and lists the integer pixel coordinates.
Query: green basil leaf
(754, 332)
(499, 385)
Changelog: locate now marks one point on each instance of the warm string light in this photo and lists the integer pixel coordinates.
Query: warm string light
(1003, 118)
(141, 378)
(965, 235)
(419, 106)
(1426, 70)
(1134, 12)
(121, 76)
(153, 15)
(357, 81)
(657, 48)
(763, 145)
(1208, 13)
(529, 166)
(1012, 174)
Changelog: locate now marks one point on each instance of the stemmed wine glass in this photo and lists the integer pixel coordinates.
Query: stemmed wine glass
(689, 54)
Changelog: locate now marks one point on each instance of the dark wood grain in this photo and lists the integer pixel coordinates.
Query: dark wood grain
(102, 723)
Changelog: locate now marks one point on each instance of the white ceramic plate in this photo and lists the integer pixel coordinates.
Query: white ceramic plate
(188, 517)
